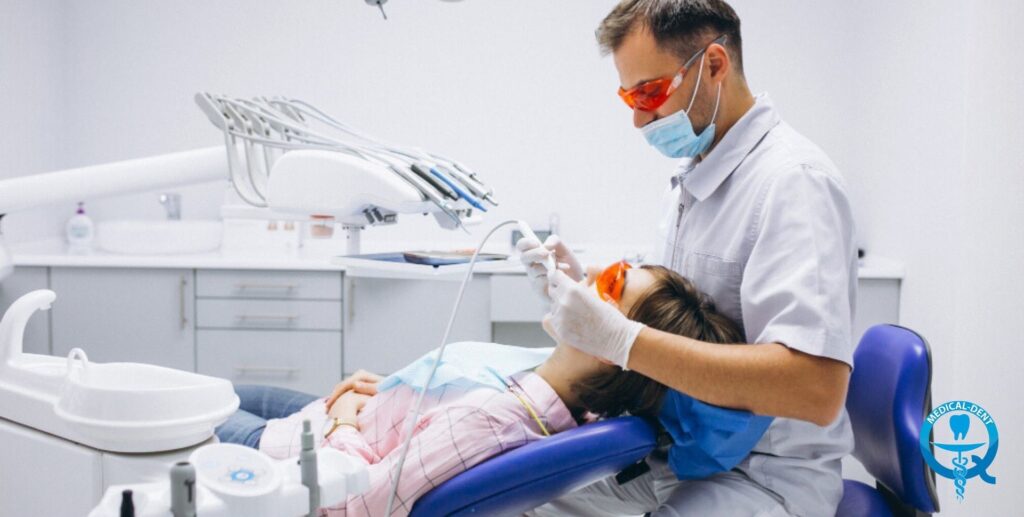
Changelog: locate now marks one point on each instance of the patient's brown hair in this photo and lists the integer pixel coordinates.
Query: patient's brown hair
(672, 304)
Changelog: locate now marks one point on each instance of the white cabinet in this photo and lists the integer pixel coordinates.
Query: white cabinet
(43, 475)
(280, 328)
(25, 280)
(303, 361)
(517, 312)
(390, 322)
(137, 315)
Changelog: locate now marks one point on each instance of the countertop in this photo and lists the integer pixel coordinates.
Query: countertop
(55, 253)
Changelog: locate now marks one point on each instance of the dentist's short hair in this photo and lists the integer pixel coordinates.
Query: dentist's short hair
(679, 26)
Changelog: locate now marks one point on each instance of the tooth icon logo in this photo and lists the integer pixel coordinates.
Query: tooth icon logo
(959, 424)
(960, 459)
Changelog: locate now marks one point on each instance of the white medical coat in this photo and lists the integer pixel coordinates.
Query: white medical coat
(764, 227)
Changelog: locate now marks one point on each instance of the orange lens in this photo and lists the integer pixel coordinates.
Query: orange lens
(648, 96)
(612, 280)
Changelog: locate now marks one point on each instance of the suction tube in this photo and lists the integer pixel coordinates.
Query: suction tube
(411, 419)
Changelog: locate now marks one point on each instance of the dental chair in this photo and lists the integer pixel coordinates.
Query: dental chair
(890, 393)
(527, 477)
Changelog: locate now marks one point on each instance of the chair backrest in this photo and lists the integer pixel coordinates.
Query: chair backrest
(889, 396)
(534, 474)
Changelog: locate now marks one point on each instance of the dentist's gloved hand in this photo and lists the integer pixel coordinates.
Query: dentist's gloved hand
(578, 318)
(533, 254)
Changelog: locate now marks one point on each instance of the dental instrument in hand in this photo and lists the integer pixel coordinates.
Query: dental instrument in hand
(410, 421)
(549, 263)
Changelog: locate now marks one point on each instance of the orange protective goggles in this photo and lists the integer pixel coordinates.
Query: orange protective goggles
(611, 282)
(650, 95)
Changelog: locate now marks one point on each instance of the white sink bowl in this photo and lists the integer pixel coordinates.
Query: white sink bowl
(132, 407)
(159, 237)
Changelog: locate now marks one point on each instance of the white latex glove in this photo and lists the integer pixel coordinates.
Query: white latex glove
(578, 318)
(533, 254)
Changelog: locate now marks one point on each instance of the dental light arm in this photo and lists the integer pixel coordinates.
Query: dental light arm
(124, 177)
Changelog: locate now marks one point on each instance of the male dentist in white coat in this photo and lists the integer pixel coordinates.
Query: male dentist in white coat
(763, 226)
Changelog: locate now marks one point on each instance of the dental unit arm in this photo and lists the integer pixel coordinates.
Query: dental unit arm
(287, 160)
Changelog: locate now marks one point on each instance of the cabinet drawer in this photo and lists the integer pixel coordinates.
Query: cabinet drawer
(268, 314)
(512, 300)
(306, 361)
(298, 285)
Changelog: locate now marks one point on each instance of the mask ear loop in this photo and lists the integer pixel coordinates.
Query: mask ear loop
(717, 99)
(700, 73)
(718, 96)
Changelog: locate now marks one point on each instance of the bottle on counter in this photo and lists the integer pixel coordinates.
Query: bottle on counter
(80, 230)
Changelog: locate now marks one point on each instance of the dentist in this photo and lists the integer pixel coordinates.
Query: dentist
(763, 225)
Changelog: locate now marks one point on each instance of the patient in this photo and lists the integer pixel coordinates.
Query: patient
(463, 425)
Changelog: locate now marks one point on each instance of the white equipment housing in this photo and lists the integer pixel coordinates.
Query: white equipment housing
(345, 187)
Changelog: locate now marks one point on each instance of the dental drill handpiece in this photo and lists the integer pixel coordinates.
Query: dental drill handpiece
(527, 232)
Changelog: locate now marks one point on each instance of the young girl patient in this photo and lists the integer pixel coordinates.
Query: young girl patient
(480, 410)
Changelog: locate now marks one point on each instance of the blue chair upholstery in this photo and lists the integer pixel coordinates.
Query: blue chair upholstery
(860, 500)
(532, 475)
(890, 393)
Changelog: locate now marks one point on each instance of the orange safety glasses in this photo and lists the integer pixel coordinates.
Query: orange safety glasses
(612, 281)
(650, 95)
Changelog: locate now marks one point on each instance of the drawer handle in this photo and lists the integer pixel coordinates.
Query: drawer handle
(266, 370)
(266, 287)
(267, 318)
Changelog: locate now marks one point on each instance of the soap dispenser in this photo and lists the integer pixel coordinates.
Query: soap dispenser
(80, 230)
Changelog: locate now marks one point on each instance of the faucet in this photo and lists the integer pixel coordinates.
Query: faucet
(12, 327)
(172, 203)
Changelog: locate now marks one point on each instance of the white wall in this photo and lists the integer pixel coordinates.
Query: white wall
(990, 246)
(917, 101)
(31, 102)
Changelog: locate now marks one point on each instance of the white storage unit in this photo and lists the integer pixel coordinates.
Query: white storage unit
(391, 322)
(303, 361)
(131, 314)
(282, 328)
(63, 477)
(517, 312)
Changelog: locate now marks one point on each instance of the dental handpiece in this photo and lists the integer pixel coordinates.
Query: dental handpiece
(527, 232)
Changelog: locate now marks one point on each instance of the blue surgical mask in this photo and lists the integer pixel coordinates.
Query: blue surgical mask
(674, 136)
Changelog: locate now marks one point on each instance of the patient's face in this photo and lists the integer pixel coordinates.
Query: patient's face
(636, 284)
(638, 281)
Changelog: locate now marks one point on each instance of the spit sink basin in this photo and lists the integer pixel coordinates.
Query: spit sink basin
(140, 237)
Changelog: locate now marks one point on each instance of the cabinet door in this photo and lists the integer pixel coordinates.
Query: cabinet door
(22, 281)
(136, 315)
(32, 463)
(388, 323)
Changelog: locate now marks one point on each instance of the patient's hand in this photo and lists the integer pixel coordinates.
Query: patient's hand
(362, 382)
(348, 406)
